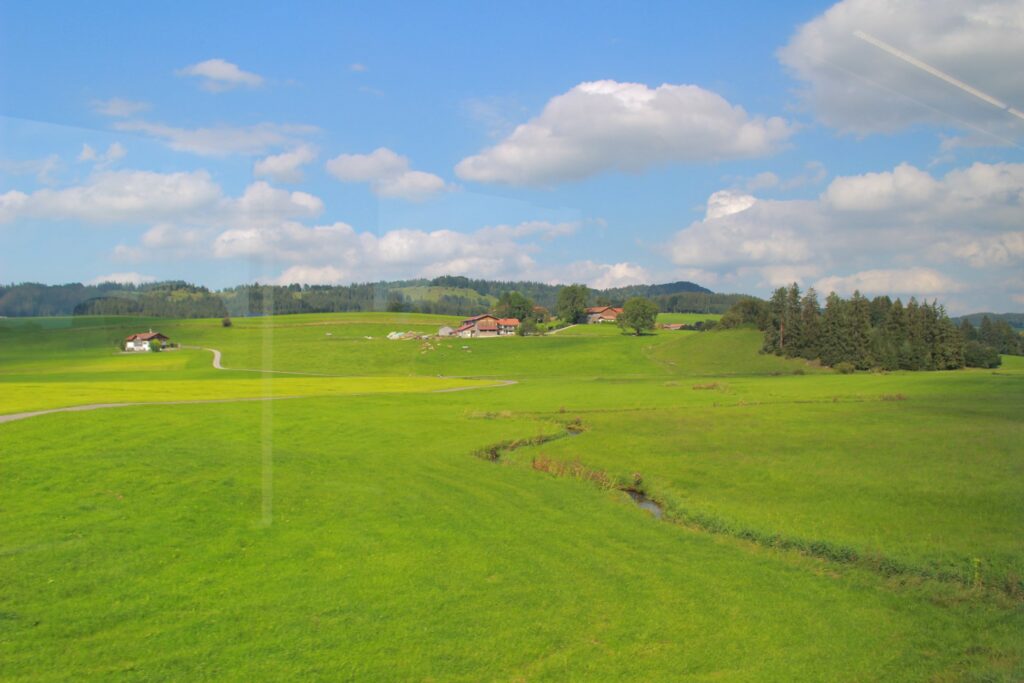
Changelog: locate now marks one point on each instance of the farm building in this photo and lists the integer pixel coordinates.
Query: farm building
(602, 314)
(141, 340)
(507, 326)
(487, 325)
(445, 332)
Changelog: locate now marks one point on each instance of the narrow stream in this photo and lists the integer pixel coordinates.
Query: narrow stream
(646, 503)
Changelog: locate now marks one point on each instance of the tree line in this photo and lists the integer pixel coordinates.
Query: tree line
(177, 299)
(861, 333)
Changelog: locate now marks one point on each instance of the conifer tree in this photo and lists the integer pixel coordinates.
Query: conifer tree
(810, 325)
(834, 337)
(859, 322)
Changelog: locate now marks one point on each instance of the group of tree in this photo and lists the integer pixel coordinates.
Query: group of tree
(984, 344)
(870, 333)
(450, 295)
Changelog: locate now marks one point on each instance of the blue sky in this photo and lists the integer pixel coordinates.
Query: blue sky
(736, 145)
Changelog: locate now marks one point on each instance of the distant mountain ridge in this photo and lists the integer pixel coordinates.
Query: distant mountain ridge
(452, 295)
(1015, 320)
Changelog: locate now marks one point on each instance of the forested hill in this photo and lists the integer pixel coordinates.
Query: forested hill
(1014, 320)
(452, 295)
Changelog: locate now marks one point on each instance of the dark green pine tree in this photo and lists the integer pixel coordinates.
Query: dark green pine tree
(834, 345)
(793, 322)
(987, 333)
(859, 321)
(880, 306)
(948, 350)
(915, 353)
(810, 325)
(775, 331)
(968, 331)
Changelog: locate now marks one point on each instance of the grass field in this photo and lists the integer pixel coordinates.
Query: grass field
(822, 526)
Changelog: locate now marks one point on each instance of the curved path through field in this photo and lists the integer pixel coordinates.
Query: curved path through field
(218, 366)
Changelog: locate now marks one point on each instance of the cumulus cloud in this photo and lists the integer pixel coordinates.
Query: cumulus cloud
(130, 278)
(119, 108)
(389, 174)
(218, 75)
(285, 167)
(219, 141)
(183, 209)
(606, 125)
(853, 84)
(921, 282)
(984, 251)
(903, 229)
(607, 275)
(118, 196)
(264, 225)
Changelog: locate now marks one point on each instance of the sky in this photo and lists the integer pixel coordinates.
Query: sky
(743, 146)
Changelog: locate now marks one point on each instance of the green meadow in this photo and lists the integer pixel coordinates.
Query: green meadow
(404, 515)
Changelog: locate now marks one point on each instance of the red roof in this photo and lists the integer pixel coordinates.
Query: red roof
(598, 310)
(463, 327)
(145, 336)
(514, 322)
(479, 317)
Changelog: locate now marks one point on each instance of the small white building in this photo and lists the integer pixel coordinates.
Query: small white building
(141, 341)
(445, 332)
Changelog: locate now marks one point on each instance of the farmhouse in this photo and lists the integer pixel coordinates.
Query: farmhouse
(507, 326)
(140, 341)
(487, 325)
(602, 314)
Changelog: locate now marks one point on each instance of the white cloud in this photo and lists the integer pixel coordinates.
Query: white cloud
(285, 167)
(905, 187)
(607, 125)
(115, 152)
(904, 229)
(131, 278)
(11, 204)
(43, 169)
(183, 209)
(920, 282)
(607, 275)
(119, 108)
(985, 251)
(855, 85)
(388, 174)
(263, 201)
(222, 141)
(337, 252)
(814, 174)
(727, 202)
(358, 68)
(218, 75)
(118, 196)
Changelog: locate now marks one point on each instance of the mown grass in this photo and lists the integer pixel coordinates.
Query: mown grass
(133, 543)
(394, 554)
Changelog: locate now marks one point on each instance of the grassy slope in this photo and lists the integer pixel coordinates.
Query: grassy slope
(394, 554)
(392, 547)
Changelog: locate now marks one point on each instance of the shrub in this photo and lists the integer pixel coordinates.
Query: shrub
(844, 368)
(226, 322)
